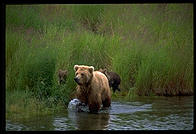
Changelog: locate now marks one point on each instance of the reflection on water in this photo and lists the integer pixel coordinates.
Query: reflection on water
(14, 126)
(143, 113)
(86, 121)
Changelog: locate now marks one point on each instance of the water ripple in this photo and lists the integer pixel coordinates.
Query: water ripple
(146, 114)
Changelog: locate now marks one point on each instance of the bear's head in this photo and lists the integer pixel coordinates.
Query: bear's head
(83, 74)
(103, 70)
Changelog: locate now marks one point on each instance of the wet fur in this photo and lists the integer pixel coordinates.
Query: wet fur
(93, 91)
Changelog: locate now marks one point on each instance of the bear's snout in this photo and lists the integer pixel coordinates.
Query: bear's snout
(76, 80)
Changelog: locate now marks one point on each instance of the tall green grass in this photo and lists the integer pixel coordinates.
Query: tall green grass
(157, 50)
(90, 16)
(149, 45)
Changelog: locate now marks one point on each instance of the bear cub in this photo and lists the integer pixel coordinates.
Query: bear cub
(113, 78)
(62, 75)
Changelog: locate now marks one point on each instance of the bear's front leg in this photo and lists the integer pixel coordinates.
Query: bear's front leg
(94, 107)
(81, 96)
(82, 99)
(94, 103)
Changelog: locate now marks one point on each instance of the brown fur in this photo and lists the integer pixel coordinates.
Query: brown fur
(113, 78)
(93, 88)
(62, 75)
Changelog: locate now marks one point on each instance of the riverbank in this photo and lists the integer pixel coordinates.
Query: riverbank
(21, 105)
(151, 49)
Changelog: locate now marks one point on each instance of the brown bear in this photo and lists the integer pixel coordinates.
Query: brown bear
(62, 74)
(113, 78)
(93, 88)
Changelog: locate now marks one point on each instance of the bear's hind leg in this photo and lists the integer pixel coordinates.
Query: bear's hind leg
(106, 102)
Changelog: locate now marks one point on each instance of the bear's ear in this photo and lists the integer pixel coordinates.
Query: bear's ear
(76, 67)
(104, 70)
(91, 69)
(66, 71)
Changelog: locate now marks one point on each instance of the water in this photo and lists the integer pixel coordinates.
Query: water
(142, 113)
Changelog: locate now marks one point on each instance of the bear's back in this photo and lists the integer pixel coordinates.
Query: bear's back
(100, 76)
(102, 80)
(114, 76)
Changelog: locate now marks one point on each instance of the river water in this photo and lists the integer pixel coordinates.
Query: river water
(142, 113)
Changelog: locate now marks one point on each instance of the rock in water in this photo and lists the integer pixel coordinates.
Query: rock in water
(77, 106)
(73, 103)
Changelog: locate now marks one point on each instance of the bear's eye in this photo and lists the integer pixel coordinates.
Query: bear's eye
(82, 74)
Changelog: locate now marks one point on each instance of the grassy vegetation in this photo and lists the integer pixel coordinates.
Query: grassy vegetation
(149, 45)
